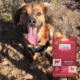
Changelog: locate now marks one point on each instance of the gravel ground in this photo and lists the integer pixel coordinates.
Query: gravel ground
(14, 62)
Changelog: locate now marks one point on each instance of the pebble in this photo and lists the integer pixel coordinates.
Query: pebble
(5, 63)
(29, 76)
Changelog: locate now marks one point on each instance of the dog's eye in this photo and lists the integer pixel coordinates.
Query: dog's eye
(24, 13)
(39, 14)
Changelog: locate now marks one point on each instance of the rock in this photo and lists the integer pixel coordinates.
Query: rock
(23, 72)
(29, 76)
(5, 63)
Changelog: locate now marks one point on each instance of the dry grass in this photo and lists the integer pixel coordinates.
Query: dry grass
(3, 12)
(7, 15)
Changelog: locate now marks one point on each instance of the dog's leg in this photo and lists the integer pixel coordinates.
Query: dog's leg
(49, 47)
(34, 63)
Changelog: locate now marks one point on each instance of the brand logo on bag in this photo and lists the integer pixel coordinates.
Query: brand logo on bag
(64, 46)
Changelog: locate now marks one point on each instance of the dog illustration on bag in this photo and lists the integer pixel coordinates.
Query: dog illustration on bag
(72, 68)
(57, 62)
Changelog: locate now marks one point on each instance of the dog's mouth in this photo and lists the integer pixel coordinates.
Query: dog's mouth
(38, 29)
(32, 35)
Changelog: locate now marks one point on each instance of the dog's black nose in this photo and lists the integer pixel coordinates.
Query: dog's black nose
(32, 21)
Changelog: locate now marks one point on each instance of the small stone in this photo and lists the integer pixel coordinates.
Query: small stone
(0, 65)
(23, 72)
(77, 48)
(20, 45)
(1, 56)
(79, 74)
(79, 52)
(5, 63)
(78, 56)
(39, 67)
(0, 47)
(58, 34)
(78, 64)
(29, 76)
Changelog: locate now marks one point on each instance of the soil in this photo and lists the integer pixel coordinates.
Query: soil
(14, 61)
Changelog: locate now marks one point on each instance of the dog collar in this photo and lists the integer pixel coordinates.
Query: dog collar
(45, 33)
(24, 33)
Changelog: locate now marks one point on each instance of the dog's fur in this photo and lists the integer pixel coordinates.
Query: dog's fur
(22, 12)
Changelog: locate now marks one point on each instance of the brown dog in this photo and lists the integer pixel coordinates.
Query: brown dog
(35, 21)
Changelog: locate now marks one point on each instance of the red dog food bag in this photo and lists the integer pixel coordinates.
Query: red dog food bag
(64, 56)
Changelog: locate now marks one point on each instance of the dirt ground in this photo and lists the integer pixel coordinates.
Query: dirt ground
(14, 62)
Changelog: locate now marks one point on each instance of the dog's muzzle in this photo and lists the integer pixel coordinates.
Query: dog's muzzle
(32, 21)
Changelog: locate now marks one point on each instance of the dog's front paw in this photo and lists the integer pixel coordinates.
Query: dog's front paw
(33, 65)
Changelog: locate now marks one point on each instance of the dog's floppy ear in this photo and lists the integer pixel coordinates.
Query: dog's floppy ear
(16, 10)
(48, 10)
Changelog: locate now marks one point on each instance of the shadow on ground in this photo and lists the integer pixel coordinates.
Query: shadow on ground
(11, 47)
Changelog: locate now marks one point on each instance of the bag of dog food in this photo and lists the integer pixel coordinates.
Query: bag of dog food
(64, 56)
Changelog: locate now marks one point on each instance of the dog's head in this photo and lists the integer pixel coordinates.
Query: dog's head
(32, 17)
